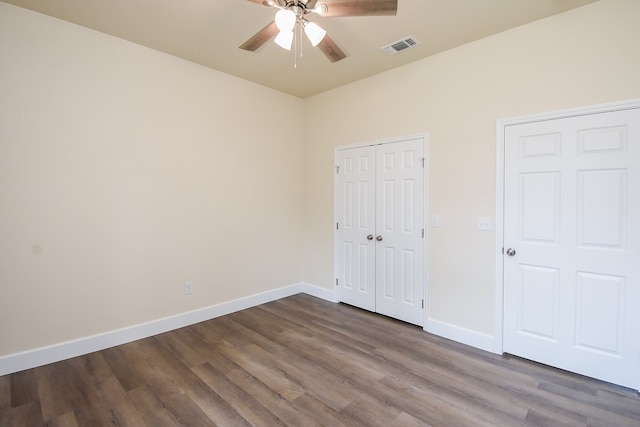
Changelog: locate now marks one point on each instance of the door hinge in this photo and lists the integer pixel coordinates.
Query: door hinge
(423, 233)
(423, 160)
(336, 282)
(337, 170)
(337, 226)
(422, 303)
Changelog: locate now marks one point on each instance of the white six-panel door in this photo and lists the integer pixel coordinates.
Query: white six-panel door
(400, 257)
(355, 211)
(572, 244)
(380, 220)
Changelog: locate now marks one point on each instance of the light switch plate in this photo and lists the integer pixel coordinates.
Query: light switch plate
(435, 221)
(484, 224)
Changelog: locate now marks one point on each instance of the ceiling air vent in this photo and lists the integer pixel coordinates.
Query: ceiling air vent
(400, 45)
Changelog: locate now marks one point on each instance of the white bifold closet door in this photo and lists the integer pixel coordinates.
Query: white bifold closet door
(572, 244)
(380, 228)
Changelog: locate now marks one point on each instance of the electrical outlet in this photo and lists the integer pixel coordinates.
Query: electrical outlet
(188, 288)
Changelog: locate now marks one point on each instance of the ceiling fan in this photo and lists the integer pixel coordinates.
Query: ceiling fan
(294, 12)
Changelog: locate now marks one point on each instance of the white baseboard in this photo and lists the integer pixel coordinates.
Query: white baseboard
(318, 292)
(65, 350)
(41, 356)
(461, 335)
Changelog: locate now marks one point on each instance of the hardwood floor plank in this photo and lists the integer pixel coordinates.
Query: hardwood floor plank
(27, 414)
(271, 377)
(54, 399)
(236, 396)
(337, 394)
(321, 413)
(269, 399)
(184, 346)
(455, 385)
(325, 325)
(550, 420)
(150, 368)
(92, 404)
(320, 383)
(425, 397)
(24, 388)
(151, 409)
(65, 420)
(617, 400)
(116, 402)
(406, 420)
(605, 400)
(122, 367)
(5, 392)
(153, 368)
(356, 396)
(371, 417)
(302, 361)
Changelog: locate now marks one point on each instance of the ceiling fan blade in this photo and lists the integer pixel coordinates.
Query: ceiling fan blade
(270, 3)
(330, 49)
(261, 37)
(310, 4)
(360, 8)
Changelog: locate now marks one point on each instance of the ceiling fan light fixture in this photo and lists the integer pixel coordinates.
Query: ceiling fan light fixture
(285, 20)
(284, 39)
(314, 32)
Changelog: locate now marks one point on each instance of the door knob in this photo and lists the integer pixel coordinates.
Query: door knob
(511, 252)
(370, 237)
(379, 238)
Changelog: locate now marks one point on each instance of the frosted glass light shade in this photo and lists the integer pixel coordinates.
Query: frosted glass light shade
(284, 39)
(314, 33)
(285, 20)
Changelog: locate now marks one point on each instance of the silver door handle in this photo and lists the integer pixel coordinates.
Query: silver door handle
(379, 238)
(511, 252)
(370, 237)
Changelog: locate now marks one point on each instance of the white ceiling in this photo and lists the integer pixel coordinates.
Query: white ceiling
(208, 32)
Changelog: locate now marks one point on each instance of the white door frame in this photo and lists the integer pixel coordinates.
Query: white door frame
(500, 145)
(425, 140)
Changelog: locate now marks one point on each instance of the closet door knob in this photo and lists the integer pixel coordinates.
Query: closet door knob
(370, 237)
(511, 252)
(379, 238)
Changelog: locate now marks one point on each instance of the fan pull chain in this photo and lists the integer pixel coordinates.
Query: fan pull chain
(300, 37)
(295, 47)
(297, 35)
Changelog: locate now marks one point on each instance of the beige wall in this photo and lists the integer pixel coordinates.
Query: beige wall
(125, 172)
(587, 56)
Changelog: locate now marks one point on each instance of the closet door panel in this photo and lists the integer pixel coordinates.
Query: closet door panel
(400, 256)
(355, 211)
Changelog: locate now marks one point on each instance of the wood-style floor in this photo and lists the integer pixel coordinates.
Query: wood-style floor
(301, 361)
